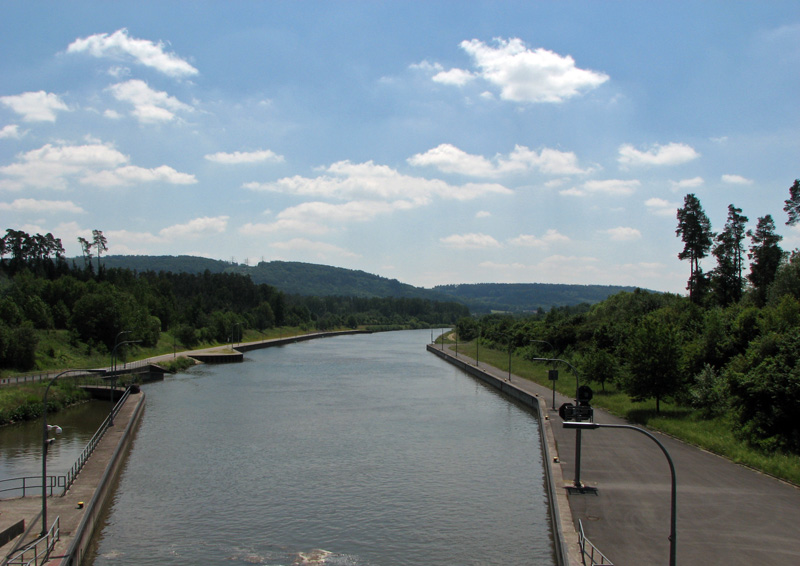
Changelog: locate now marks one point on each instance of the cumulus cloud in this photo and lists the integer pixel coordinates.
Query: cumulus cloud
(10, 131)
(41, 206)
(131, 174)
(623, 234)
(119, 45)
(320, 250)
(53, 166)
(522, 74)
(736, 180)
(670, 154)
(38, 106)
(610, 187)
(450, 159)
(552, 236)
(238, 157)
(148, 105)
(203, 226)
(470, 241)
(684, 184)
(661, 207)
(346, 180)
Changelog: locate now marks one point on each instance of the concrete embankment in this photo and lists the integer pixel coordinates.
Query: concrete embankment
(82, 506)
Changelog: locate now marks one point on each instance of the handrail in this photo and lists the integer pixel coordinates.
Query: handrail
(40, 555)
(66, 480)
(592, 552)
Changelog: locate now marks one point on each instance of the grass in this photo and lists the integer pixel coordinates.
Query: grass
(714, 434)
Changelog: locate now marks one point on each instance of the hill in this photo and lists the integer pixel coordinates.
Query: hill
(310, 279)
(527, 297)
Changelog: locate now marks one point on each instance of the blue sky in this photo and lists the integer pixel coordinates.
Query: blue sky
(431, 142)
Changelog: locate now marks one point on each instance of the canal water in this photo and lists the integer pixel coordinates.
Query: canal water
(352, 450)
(21, 444)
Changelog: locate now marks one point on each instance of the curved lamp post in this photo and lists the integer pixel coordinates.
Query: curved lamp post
(46, 442)
(114, 370)
(674, 500)
(553, 381)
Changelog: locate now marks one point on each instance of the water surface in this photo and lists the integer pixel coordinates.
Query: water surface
(361, 450)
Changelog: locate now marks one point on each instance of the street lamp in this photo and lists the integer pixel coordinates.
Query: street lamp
(553, 374)
(114, 370)
(674, 503)
(46, 441)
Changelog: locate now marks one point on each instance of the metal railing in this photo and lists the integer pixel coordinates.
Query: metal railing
(63, 481)
(590, 551)
(38, 552)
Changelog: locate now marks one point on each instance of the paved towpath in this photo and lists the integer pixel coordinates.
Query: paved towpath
(727, 514)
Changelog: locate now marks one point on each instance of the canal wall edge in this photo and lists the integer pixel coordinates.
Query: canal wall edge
(94, 510)
(566, 537)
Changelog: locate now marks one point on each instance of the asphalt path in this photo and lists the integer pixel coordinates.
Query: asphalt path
(726, 513)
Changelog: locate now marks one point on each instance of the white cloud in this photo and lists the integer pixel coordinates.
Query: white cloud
(238, 157)
(450, 159)
(623, 234)
(470, 241)
(684, 184)
(523, 75)
(552, 236)
(10, 131)
(38, 106)
(661, 207)
(458, 77)
(346, 180)
(119, 45)
(148, 105)
(736, 180)
(42, 206)
(132, 174)
(670, 154)
(611, 187)
(203, 226)
(320, 250)
(52, 167)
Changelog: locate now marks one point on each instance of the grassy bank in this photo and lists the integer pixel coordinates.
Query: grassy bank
(715, 435)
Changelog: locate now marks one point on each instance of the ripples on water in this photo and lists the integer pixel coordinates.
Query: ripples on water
(359, 450)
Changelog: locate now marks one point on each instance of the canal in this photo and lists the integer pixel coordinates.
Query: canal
(352, 450)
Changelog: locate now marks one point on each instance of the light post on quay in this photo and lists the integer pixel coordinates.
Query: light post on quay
(578, 426)
(46, 442)
(114, 369)
(580, 411)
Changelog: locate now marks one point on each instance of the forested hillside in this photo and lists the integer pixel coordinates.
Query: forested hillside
(526, 297)
(43, 296)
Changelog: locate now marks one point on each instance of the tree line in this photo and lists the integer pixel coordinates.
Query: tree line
(730, 350)
(41, 292)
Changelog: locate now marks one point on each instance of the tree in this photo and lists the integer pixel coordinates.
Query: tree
(694, 228)
(726, 279)
(86, 249)
(792, 204)
(765, 255)
(99, 242)
(653, 353)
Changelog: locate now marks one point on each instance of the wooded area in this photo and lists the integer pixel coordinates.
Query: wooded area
(730, 349)
(40, 293)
